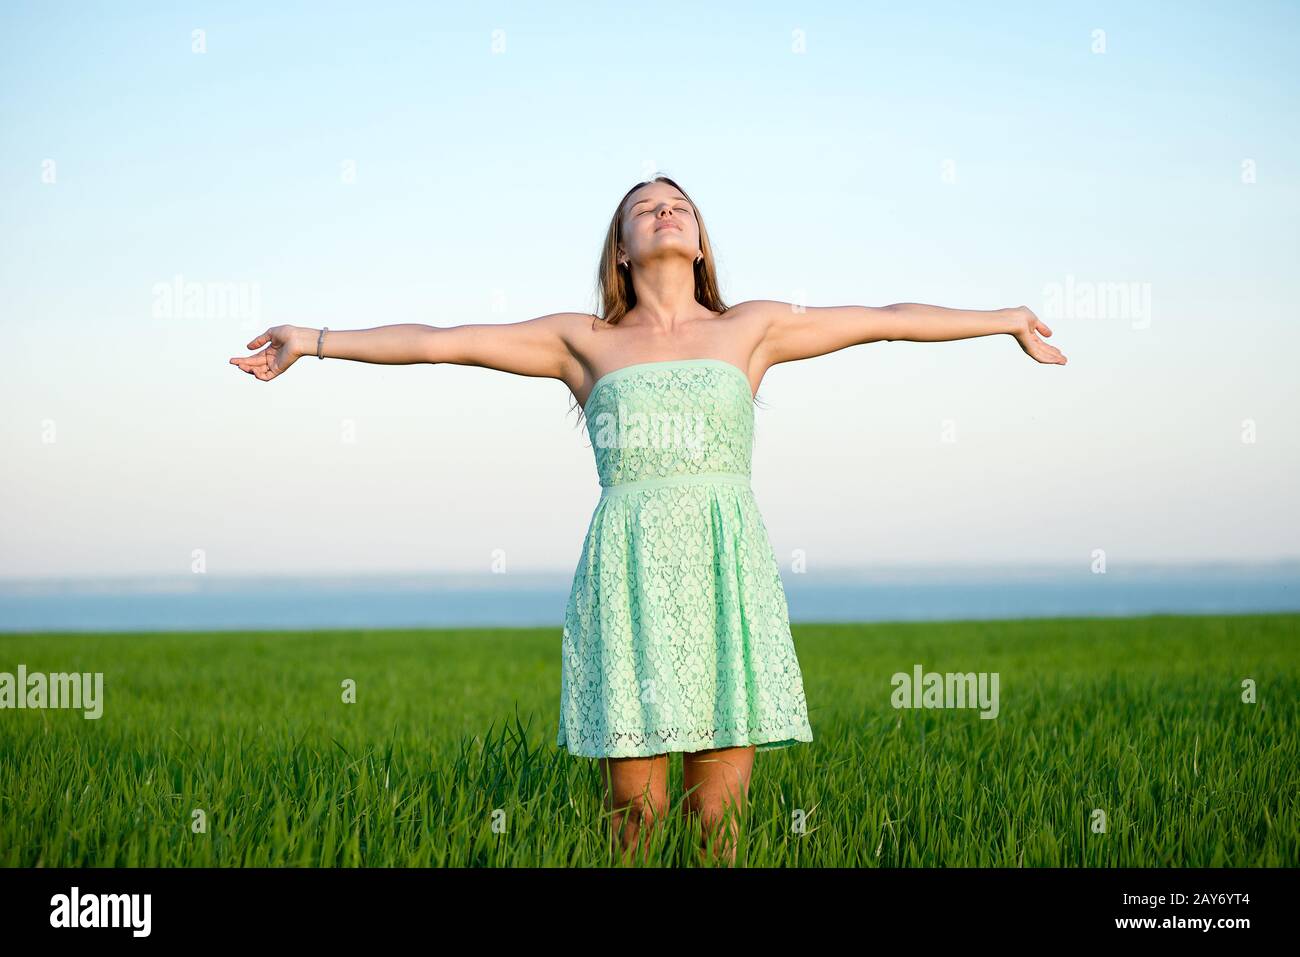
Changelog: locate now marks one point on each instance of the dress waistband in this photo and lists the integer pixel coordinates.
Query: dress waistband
(660, 481)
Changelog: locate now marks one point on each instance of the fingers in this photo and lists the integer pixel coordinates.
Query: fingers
(261, 340)
(248, 363)
(1040, 351)
(258, 365)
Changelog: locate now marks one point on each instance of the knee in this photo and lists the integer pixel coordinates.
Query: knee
(653, 809)
(713, 810)
(648, 808)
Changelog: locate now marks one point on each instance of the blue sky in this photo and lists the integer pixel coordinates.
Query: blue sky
(359, 165)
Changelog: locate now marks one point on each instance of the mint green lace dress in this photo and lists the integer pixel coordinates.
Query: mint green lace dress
(677, 632)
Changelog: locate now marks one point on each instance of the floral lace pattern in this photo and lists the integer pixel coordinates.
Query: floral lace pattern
(677, 632)
(659, 419)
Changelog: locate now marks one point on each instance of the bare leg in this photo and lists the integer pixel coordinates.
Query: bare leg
(636, 794)
(722, 776)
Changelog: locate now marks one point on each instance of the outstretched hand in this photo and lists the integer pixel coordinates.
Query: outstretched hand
(279, 354)
(1027, 335)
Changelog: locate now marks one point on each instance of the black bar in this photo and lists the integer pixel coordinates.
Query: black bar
(976, 906)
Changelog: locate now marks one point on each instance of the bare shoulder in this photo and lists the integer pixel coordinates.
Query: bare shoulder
(566, 322)
(553, 327)
(576, 330)
(755, 311)
(570, 327)
(756, 317)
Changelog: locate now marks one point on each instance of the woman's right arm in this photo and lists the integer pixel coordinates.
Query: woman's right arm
(535, 347)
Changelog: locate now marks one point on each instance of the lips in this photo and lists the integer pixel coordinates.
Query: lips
(667, 225)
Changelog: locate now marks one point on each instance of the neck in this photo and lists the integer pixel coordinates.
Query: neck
(665, 292)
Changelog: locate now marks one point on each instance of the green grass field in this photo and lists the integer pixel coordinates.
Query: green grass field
(1140, 718)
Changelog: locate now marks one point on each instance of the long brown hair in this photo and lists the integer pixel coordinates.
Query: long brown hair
(614, 290)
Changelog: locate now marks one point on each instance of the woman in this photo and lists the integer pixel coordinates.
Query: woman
(676, 635)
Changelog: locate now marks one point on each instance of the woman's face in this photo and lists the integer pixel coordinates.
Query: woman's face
(658, 221)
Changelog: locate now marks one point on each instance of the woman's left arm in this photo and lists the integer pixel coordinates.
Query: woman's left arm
(802, 332)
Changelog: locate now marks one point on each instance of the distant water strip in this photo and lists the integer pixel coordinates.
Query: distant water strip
(933, 593)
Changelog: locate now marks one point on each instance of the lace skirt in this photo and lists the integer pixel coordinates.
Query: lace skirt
(677, 632)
